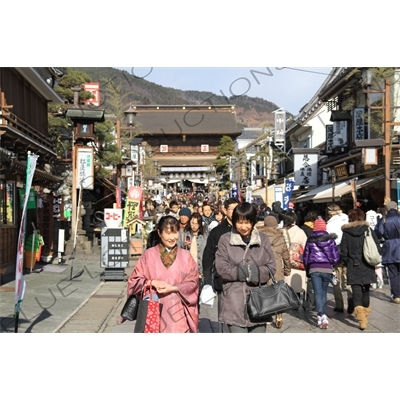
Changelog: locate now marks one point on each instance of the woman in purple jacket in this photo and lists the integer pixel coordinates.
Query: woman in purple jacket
(320, 256)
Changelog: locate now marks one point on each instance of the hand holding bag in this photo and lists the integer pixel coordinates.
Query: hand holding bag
(264, 301)
(149, 314)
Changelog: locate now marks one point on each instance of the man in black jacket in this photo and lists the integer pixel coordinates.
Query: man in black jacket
(211, 248)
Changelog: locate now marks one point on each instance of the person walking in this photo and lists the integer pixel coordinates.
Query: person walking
(283, 266)
(321, 254)
(209, 274)
(337, 218)
(360, 274)
(308, 228)
(295, 238)
(388, 228)
(193, 237)
(208, 214)
(242, 260)
(173, 273)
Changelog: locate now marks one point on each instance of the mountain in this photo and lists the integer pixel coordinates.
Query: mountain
(250, 111)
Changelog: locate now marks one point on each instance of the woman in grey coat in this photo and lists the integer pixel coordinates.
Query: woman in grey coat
(243, 254)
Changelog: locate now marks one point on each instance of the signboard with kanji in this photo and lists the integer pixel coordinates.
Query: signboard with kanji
(360, 131)
(132, 205)
(84, 167)
(164, 148)
(306, 169)
(205, 148)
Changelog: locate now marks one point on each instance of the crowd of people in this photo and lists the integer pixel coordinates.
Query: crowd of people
(233, 246)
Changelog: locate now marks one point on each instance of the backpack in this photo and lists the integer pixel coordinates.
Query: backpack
(370, 249)
(296, 251)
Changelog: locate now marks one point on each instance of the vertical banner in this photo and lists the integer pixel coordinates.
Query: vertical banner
(289, 185)
(19, 277)
(132, 206)
(280, 127)
(85, 167)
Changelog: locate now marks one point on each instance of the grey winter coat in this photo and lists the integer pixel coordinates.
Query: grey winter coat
(359, 272)
(231, 252)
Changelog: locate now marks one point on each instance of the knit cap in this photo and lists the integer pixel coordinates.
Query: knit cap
(185, 211)
(319, 225)
(270, 221)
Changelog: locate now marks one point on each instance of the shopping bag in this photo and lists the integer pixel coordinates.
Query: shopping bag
(149, 314)
(207, 295)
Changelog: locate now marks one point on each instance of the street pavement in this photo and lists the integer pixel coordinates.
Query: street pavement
(55, 303)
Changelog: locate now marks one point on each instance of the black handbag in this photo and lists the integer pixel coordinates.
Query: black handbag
(131, 306)
(265, 301)
(130, 309)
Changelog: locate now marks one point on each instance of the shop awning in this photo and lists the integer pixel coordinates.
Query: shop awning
(271, 193)
(323, 194)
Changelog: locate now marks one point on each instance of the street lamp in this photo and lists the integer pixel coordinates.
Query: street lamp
(130, 115)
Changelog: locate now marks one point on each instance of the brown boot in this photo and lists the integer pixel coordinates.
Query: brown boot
(359, 312)
(367, 311)
(278, 321)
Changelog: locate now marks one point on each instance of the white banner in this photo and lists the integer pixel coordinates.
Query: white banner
(19, 277)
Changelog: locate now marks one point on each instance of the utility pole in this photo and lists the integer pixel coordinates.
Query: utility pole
(388, 141)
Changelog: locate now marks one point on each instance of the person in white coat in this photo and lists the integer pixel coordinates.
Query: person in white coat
(336, 219)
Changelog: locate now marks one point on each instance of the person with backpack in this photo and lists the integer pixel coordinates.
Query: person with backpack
(360, 274)
(295, 239)
(321, 254)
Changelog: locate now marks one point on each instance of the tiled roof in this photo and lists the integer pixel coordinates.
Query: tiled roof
(251, 133)
(187, 121)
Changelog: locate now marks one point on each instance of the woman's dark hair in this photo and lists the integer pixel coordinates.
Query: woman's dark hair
(289, 218)
(244, 211)
(199, 219)
(356, 214)
(168, 222)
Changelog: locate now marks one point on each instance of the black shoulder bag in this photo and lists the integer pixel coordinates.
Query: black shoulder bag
(265, 301)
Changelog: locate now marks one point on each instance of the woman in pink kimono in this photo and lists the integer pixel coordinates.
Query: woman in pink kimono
(173, 273)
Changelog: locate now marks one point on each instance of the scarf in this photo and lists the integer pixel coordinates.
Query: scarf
(167, 257)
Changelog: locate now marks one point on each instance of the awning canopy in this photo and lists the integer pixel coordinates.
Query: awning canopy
(324, 194)
(271, 193)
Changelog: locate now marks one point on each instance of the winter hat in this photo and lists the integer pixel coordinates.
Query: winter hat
(391, 205)
(319, 225)
(270, 221)
(185, 211)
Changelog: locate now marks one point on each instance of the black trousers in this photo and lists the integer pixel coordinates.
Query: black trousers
(393, 271)
(360, 295)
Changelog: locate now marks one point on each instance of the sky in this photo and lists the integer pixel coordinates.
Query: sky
(288, 87)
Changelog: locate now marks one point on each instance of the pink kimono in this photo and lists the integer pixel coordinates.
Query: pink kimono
(179, 310)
